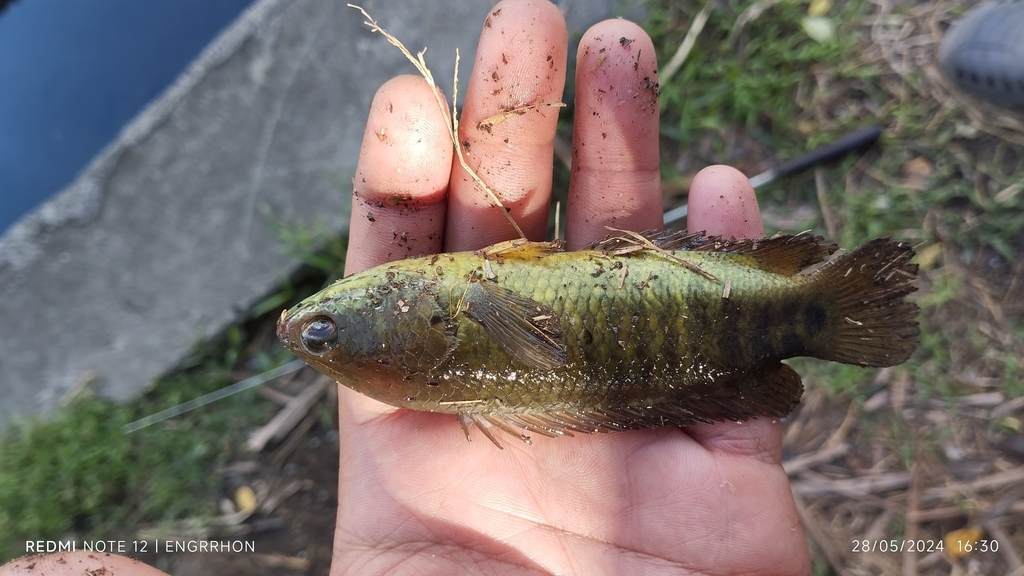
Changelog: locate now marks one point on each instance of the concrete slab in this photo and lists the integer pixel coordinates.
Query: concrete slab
(163, 240)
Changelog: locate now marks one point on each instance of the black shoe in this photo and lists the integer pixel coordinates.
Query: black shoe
(983, 53)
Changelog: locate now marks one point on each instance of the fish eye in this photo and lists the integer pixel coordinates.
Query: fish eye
(319, 335)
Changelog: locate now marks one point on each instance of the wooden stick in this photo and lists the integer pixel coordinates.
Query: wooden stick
(796, 465)
(840, 434)
(275, 396)
(293, 563)
(1007, 407)
(275, 499)
(293, 441)
(861, 488)
(831, 223)
(910, 533)
(288, 417)
(948, 512)
(1006, 547)
(813, 530)
(990, 482)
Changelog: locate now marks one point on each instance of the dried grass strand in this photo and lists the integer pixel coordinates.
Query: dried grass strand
(453, 116)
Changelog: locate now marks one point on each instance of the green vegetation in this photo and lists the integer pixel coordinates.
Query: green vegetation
(948, 176)
(755, 76)
(78, 476)
(938, 181)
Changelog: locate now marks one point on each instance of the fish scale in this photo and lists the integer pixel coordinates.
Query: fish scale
(634, 331)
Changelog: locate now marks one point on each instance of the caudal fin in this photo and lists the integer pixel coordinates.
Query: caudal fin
(871, 322)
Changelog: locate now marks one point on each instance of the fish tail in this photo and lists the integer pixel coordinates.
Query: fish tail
(870, 321)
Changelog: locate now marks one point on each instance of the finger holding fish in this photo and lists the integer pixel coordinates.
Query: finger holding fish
(400, 186)
(616, 178)
(723, 203)
(507, 126)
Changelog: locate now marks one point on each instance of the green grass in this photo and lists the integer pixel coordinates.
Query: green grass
(751, 78)
(765, 81)
(770, 81)
(321, 251)
(77, 475)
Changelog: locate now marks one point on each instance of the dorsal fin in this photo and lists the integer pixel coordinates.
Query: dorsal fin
(784, 254)
(664, 239)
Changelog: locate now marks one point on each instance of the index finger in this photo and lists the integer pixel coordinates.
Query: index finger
(401, 181)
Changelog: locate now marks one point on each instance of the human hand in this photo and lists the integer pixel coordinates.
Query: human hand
(413, 496)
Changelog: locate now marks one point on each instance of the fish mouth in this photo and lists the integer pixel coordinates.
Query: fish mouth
(307, 334)
(283, 328)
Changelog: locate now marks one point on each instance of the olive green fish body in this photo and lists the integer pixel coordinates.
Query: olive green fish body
(635, 331)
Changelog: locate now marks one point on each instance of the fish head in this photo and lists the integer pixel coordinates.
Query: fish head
(369, 331)
(330, 331)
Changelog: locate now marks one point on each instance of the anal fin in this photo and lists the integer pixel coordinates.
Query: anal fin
(771, 390)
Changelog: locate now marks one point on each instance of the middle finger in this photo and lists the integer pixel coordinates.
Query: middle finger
(521, 60)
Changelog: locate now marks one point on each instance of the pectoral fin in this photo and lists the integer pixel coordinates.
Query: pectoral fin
(525, 329)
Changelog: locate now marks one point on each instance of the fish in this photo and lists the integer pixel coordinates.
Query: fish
(637, 330)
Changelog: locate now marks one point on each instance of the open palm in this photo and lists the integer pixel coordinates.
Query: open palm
(414, 496)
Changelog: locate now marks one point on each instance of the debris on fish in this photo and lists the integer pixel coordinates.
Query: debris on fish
(635, 331)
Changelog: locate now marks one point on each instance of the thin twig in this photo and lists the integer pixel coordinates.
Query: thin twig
(990, 482)
(487, 123)
(293, 440)
(839, 436)
(287, 418)
(676, 62)
(639, 240)
(911, 530)
(860, 488)
(271, 502)
(804, 461)
(831, 223)
(813, 529)
(1007, 407)
(1006, 547)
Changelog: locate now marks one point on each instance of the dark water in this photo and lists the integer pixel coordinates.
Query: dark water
(74, 72)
